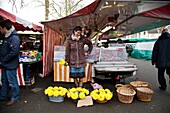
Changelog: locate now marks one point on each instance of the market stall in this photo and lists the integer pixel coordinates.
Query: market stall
(27, 57)
(24, 75)
(122, 17)
(55, 35)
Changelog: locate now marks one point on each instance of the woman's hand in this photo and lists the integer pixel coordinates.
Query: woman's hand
(86, 53)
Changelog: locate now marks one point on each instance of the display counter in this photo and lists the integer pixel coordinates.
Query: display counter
(61, 73)
(23, 75)
(20, 75)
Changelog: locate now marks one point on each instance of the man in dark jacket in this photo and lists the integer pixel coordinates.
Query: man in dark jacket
(161, 57)
(9, 61)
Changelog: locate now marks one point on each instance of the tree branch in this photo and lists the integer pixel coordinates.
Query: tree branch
(75, 6)
(56, 4)
(58, 13)
(42, 4)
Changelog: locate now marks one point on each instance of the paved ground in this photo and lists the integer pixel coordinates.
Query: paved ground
(33, 100)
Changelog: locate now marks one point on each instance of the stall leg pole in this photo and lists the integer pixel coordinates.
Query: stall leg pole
(27, 75)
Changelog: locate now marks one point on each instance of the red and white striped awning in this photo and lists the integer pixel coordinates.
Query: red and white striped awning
(19, 23)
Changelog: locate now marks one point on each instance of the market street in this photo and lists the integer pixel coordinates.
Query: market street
(33, 99)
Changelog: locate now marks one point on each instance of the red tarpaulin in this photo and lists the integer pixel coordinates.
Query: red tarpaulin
(19, 23)
(84, 11)
(162, 12)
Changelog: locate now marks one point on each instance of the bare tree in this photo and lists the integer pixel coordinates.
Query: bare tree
(59, 8)
(15, 2)
(55, 8)
(47, 9)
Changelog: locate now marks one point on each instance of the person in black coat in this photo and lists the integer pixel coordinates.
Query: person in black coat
(9, 61)
(161, 57)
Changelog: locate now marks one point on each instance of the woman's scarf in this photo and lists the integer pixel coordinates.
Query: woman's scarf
(73, 37)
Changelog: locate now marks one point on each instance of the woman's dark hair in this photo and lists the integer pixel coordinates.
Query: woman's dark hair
(6, 24)
(77, 28)
(89, 32)
(85, 27)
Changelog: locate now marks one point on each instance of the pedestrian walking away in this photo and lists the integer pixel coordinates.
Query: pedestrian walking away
(161, 57)
(75, 55)
(9, 61)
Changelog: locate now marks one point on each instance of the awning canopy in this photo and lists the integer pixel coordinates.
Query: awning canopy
(82, 17)
(145, 21)
(19, 23)
(126, 16)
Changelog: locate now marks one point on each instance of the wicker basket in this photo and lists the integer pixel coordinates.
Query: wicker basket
(121, 85)
(136, 84)
(125, 95)
(144, 94)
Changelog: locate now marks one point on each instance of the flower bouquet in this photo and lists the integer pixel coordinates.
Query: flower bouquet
(63, 62)
(101, 95)
(56, 94)
(77, 93)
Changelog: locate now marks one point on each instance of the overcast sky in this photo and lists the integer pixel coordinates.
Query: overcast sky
(30, 13)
